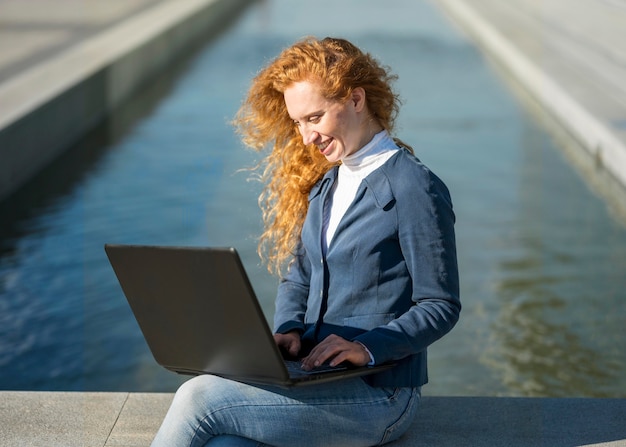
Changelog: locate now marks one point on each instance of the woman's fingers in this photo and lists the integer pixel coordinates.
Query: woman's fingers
(336, 350)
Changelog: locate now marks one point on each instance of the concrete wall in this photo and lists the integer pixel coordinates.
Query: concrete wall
(563, 54)
(52, 105)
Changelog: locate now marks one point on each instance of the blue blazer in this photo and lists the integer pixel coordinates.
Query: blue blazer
(389, 278)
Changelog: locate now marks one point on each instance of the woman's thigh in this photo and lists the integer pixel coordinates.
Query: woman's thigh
(343, 413)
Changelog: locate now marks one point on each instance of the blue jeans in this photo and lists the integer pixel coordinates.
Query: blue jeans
(212, 411)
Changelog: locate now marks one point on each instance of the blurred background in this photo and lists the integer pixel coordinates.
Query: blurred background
(542, 251)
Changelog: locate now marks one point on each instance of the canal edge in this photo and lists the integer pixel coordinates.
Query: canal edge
(51, 105)
(605, 148)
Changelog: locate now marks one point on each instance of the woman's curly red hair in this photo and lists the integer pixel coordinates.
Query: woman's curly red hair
(291, 168)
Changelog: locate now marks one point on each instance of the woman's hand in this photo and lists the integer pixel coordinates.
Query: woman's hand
(289, 342)
(337, 350)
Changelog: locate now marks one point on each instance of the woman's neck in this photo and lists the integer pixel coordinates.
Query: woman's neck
(369, 133)
(381, 143)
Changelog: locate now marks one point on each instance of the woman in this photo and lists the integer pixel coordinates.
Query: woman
(362, 235)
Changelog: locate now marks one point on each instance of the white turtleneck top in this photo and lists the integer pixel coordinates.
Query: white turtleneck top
(352, 171)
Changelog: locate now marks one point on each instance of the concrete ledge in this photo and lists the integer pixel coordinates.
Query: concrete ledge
(131, 419)
(579, 114)
(50, 106)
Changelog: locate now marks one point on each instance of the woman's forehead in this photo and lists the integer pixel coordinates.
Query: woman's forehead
(304, 98)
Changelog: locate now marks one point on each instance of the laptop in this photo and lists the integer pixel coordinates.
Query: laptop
(199, 314)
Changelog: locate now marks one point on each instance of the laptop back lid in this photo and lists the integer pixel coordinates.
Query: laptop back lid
(197, 311)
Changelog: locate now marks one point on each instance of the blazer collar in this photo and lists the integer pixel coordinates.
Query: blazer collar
(378, 183)
(324, 183)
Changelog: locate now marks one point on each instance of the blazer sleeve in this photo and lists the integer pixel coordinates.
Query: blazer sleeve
(425, 221)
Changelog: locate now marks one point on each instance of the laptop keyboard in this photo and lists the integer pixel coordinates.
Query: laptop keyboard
(294, 367)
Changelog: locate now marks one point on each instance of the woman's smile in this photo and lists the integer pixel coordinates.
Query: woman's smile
(322, 146)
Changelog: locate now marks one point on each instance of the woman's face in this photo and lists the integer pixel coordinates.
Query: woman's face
(337, 129)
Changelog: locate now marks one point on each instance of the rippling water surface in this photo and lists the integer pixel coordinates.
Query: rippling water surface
(542, 259)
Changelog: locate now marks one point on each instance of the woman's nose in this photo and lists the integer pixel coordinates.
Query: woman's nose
(308, 135)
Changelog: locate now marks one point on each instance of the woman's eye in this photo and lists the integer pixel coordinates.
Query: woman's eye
(315, 119)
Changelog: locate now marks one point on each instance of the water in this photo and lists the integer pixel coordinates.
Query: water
(542, 258)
